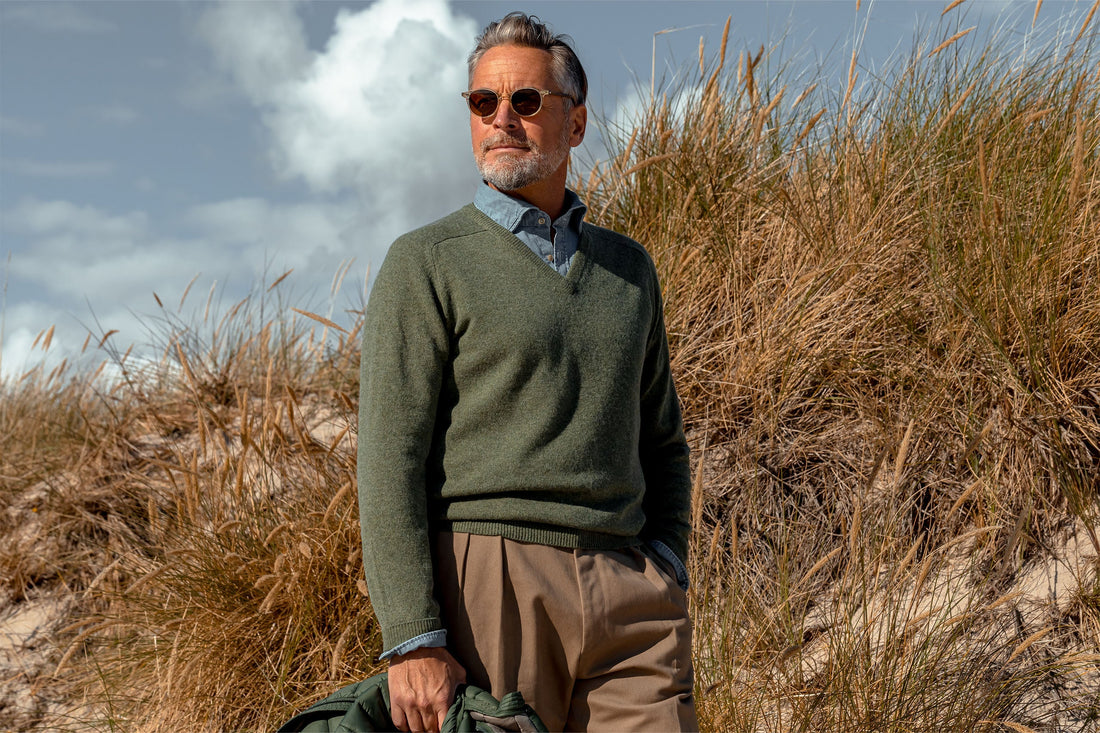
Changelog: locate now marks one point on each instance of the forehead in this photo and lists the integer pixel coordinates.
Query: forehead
(513, 67)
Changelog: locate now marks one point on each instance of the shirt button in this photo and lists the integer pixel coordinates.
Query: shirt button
(549, 258)
(542, 220)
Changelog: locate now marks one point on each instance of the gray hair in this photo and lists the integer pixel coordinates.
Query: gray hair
(527, 30)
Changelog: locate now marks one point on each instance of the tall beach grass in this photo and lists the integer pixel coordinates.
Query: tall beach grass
(884, 306)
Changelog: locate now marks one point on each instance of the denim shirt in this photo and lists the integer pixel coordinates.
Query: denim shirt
(555, 242)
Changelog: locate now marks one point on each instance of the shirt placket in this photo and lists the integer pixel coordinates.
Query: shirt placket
(547, 249)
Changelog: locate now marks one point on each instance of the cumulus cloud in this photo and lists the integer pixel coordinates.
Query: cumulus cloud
(376, 112)
(372, 123)
(262, 45)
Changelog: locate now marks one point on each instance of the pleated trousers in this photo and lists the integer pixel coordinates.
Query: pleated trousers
(596, 640)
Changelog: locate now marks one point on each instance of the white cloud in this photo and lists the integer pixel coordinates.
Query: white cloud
(314, 237)
(34, 217)
(377, 112)
(74, 338)
(80, 250)
(57, 17)
(261, 44)
(24, 343)
(81, 264)
(76, 250)
(17, 353)
(372, 123)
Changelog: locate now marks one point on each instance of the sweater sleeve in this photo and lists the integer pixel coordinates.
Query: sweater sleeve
(662, 446)
(405, 349)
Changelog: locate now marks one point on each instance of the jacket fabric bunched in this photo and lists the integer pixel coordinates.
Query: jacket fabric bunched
(363, 707)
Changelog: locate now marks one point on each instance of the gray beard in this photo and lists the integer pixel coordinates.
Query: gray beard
(513, 173)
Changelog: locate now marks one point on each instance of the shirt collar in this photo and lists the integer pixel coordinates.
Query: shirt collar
(514, 214)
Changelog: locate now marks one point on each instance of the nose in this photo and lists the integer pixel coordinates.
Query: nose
(505, 117)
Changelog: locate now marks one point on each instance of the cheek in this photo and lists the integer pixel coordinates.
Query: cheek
(477, 133)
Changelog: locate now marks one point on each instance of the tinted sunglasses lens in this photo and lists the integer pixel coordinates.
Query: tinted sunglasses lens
(526, 102)
(482, 102)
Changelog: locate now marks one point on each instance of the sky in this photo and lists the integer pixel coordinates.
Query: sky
(149, 146)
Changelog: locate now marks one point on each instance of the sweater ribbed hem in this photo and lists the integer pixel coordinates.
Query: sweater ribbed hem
(541, 535)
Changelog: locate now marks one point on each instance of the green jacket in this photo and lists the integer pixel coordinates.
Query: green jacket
(365, 706)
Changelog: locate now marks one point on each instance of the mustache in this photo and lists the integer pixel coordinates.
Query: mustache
(505, 139)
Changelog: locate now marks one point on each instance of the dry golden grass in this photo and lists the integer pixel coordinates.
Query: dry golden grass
(884, 308)
(885, 316)
(204, 517)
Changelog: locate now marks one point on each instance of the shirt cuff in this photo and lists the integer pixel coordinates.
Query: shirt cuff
(668, 555)
(431, 638)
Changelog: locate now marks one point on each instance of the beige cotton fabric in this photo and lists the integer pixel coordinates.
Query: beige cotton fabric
(595, 640)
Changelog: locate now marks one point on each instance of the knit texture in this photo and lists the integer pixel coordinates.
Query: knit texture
(498, 397)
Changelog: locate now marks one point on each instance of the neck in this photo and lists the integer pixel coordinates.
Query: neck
(547, 194)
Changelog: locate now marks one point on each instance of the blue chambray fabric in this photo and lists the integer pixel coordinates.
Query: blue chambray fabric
(532, 226)
(669, 556)
(431, 638)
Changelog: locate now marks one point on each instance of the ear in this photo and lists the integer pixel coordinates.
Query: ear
(578, 119)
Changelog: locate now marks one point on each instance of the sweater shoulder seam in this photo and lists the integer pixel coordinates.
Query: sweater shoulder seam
(457, 224)
(597, 232)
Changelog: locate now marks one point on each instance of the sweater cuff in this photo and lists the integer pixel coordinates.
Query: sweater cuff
(396, 635)
(431, 638)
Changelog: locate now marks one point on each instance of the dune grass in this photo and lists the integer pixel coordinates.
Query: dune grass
(885, 318)
(884, 309)
(203, 511)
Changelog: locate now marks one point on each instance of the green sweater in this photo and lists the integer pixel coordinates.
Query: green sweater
(498, 397)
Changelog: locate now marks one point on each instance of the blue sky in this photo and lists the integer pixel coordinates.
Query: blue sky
(146, 144)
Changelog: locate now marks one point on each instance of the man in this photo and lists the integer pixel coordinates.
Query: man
(523, 474)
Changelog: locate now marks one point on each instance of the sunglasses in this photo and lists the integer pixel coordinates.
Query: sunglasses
(525, 102)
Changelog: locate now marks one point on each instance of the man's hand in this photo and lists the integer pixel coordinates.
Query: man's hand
(422, 688)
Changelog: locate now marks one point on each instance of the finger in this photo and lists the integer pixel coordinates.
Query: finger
(440, 716)
(418, 721)
(400, 721)
(410, 721)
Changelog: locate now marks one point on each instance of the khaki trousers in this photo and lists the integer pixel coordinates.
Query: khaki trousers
(596, 640)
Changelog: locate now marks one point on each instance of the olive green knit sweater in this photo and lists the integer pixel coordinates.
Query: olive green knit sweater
(498, 397)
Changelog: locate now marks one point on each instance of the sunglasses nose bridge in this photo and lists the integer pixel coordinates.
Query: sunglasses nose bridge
(504, 114)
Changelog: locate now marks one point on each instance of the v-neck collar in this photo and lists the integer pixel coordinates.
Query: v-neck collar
(569, 282)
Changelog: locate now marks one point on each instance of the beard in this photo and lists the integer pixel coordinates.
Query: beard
(513, 172)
